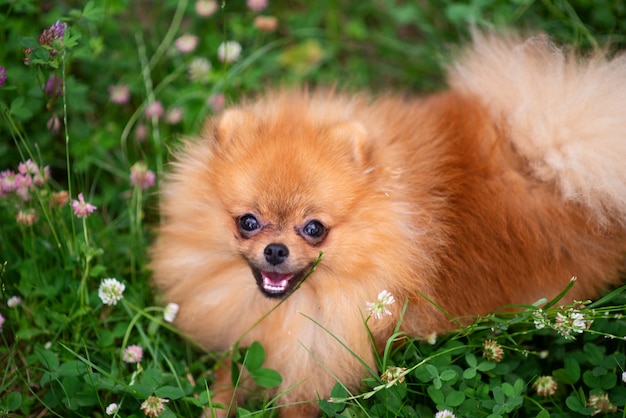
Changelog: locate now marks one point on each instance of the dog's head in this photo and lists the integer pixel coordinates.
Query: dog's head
(289, 187)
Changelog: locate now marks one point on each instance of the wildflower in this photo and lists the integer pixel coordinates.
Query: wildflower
(153, 406)
(54, 124)
(119, 93)
(229, 51)
(540, 319)
(14, 301)
(1, 322)
(545, 385)
(174, 115)
(28, 167)
(23, 183)
(579, 324)
(59, 199)
(54, 86)
(110, 291)
(42, 176)
(624, 377)
(132, 354)
(154, 110)
(206, 8)
(8, 181)
(170, 312)
(445, 414)
(32, 174)
(256, 5)
(392, 373)
(492, 351)
(574, 321)
(3, 76)
(56, 31)
(601, 404)
(266, 23)
(81, 208)
(378, 309)
(140, 176)
(186, 43)
(47, 39)
(432, 338)
(141, 132)
(112, 409)
(27, 52)
(199, 70)
(27, 216)
(216, 102)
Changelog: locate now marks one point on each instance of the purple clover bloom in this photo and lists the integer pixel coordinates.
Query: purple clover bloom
(81, 208)
(54, 86)
(57, 30)
(3, 76)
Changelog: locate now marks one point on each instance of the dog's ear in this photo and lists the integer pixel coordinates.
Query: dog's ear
(356, 135)
(222, 128)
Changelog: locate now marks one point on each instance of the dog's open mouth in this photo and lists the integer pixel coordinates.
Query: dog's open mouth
(274, 284)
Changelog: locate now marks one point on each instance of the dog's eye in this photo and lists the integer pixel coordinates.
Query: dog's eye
(248, 223)
(314, 229)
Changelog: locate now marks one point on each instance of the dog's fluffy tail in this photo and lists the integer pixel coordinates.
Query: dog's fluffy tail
(564, 112)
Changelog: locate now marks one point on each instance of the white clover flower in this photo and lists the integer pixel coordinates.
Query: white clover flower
(574, 321)
(112, 409)
(393, 374)
(174, 115)
(378, 309)
(199, 70)
(624, 377)
(153, 406)
(186, 43)
(14, 301)
(229, 51)
(110, 291)
(257, 5)
(170, 312)
(132, 354)
(205, 8)
(545, 386)
(540, 320)
(561, 325)
(445, 414)
(579, 324)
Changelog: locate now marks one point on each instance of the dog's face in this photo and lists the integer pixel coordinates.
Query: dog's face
(279, 257)
(288, 191)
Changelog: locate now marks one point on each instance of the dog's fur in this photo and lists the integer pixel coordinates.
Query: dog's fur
(496, 191)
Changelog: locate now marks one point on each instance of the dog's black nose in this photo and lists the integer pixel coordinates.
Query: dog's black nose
(276, 253)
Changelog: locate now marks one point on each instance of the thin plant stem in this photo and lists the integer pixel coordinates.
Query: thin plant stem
(148, 85)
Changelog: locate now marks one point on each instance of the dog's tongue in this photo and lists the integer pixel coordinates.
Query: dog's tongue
(275, 282)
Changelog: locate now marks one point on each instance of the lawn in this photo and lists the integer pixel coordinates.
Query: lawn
(94, 97)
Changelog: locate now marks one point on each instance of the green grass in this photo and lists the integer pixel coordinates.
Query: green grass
(62, 349)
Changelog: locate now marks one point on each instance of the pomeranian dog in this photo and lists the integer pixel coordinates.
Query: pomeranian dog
(496, 191)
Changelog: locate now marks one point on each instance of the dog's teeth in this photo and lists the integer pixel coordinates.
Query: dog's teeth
(272, 287)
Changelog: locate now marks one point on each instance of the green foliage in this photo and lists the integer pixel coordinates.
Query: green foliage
(63, 106)
(455, 374)
(252, 360)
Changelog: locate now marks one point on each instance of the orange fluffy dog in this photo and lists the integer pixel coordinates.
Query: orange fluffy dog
(496, 191)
